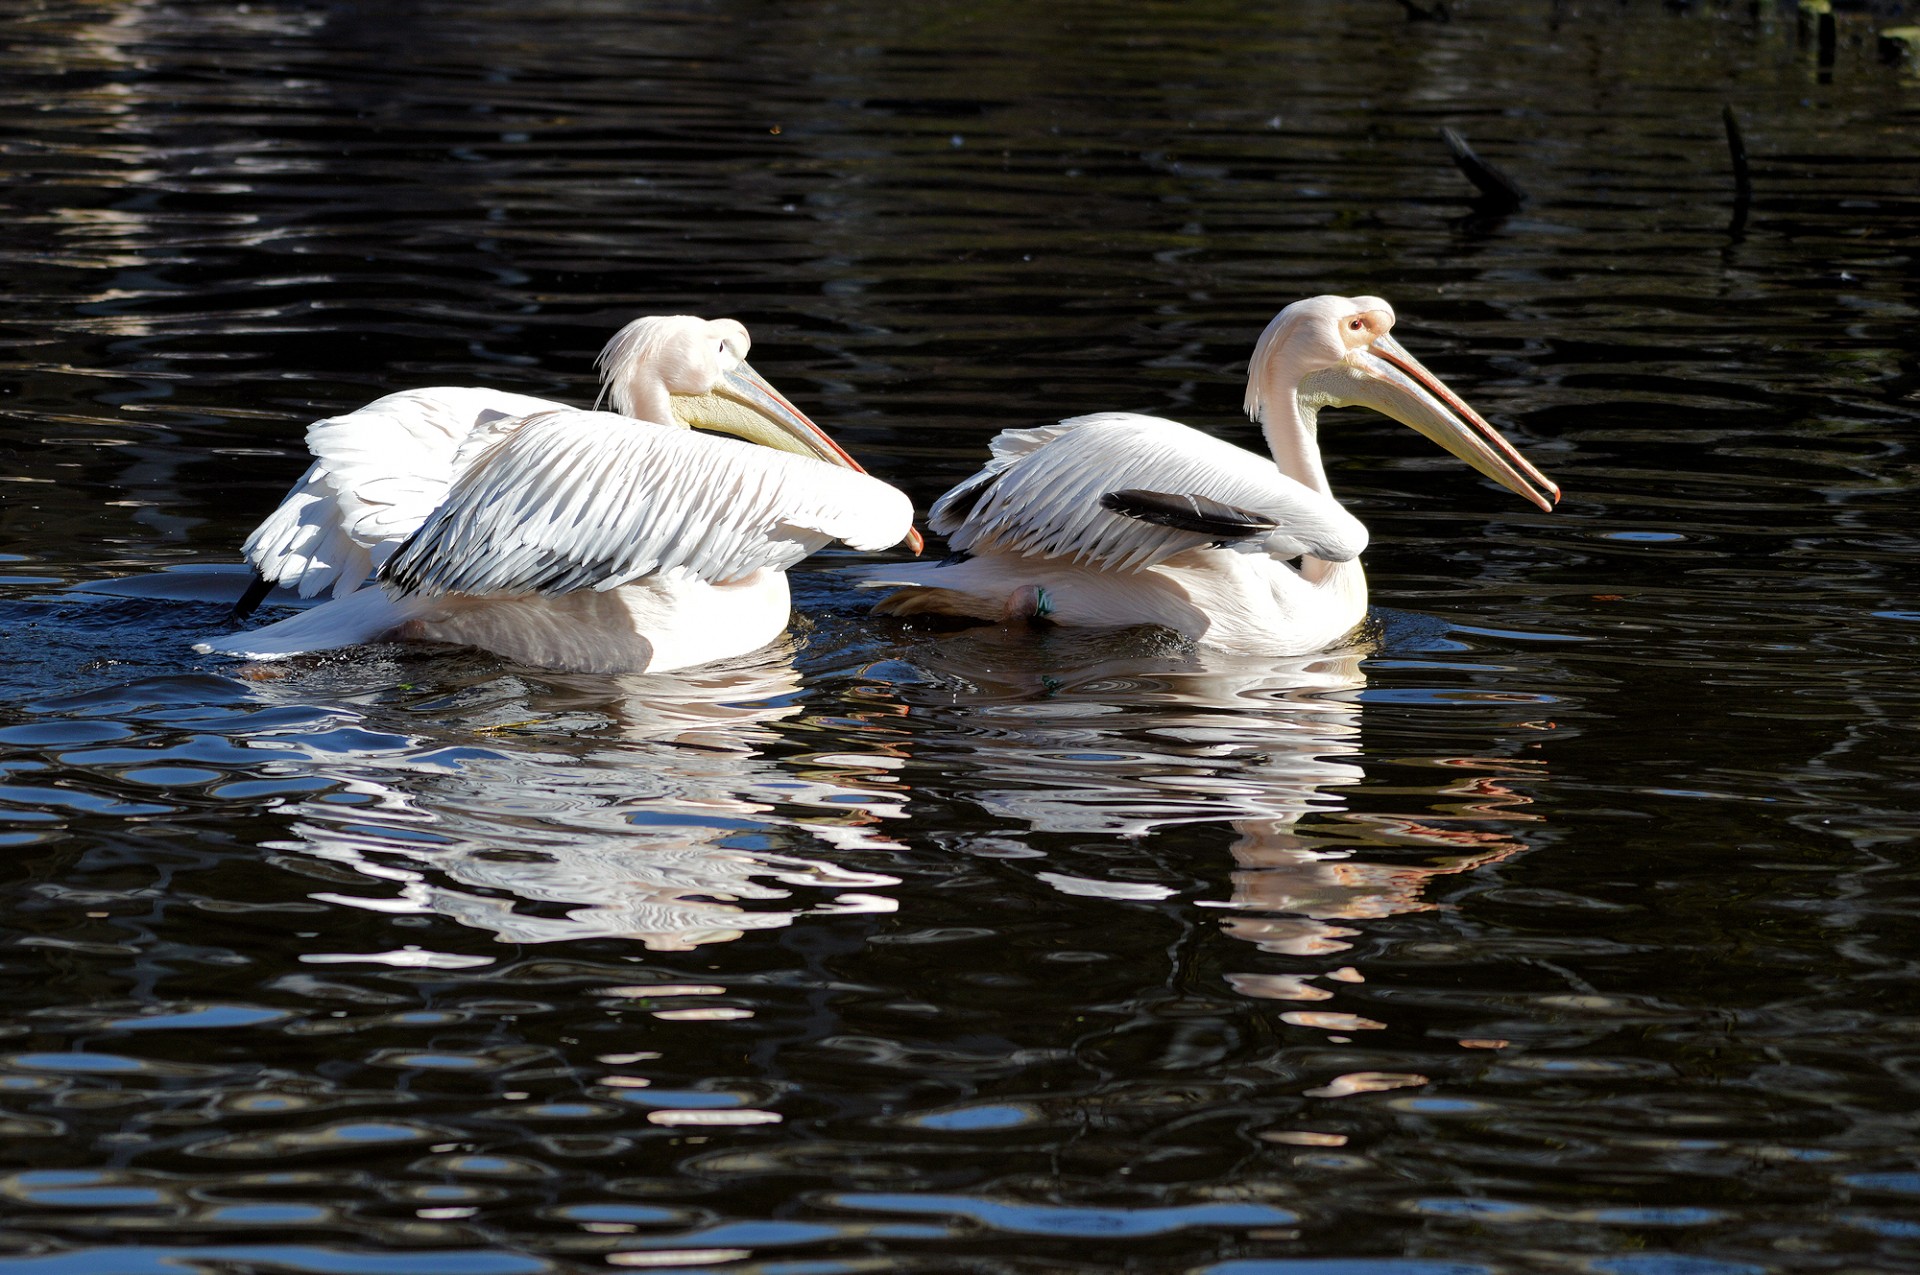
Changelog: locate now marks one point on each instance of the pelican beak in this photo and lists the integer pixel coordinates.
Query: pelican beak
(1383, 376)
(744, 405)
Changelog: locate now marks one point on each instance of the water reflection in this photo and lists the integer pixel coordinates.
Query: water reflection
(1099, 1029)
(674, 828)
(1298, 886)
(1130, 745)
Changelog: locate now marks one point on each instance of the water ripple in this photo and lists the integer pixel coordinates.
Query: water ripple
(1560, 920)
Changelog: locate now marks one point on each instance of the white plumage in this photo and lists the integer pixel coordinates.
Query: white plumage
(376, 475)
(1039, 497)
(1118, 519)
(576, 500)
(579, 540)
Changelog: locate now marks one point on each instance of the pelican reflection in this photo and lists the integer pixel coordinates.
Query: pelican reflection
(1112, 740)
(672, 827)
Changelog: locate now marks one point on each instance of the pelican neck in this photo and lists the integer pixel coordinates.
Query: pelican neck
(1293, 439)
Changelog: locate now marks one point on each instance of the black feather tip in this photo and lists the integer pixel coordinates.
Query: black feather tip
(1185, 511)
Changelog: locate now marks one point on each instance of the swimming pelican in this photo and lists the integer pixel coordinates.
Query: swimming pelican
(1119, 519)
(585, 541)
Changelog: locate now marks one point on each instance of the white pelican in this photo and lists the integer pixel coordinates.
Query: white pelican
(1118, 519)
(585, 541)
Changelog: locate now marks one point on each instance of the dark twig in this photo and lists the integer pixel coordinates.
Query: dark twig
(1497, 190)
(1742, 177)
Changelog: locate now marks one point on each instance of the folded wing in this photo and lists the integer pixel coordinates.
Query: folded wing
(573, 499)
(1121, 492)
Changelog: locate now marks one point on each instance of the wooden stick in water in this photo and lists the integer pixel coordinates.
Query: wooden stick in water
(1496, 188)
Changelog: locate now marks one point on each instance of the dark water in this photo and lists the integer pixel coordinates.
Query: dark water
(1568, 923)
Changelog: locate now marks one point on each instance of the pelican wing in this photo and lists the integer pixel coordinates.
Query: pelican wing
(378, 472)
(1122, 492)
(574, 499)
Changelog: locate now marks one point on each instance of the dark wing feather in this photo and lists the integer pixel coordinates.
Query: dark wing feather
(1187, 511)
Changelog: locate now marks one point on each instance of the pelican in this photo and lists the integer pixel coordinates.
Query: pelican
(583, 541)
(1119, 519)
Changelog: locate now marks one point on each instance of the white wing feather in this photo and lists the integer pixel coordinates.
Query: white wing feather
(1040, 495)
(377, 473)
(573, 499)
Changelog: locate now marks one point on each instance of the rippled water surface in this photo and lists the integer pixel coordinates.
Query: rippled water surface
(1569, 921)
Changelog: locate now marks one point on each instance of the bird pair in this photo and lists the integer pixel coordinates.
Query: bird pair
(623, 541)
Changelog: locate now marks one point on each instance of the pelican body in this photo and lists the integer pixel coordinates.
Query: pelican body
(584, 541)
(1120, 519)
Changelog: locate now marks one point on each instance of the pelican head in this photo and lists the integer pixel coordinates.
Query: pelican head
(1339, 352)
(693, 373)
(679, 370)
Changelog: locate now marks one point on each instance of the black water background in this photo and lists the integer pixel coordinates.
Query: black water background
(1566, 924)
